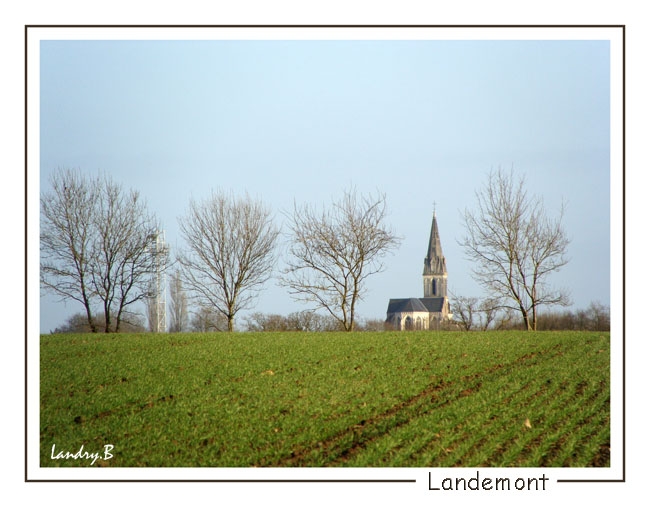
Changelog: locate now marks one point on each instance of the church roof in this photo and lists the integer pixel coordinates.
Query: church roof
(415, 305)
(433, 304)
(405, 305)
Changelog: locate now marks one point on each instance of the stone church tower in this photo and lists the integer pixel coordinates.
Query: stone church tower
(430, 311)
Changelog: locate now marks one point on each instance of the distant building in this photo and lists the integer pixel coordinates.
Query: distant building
(432, 309)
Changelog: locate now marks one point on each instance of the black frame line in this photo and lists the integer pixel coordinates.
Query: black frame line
(227, 480)
(312, 26)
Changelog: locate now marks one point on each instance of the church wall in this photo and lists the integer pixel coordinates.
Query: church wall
(410, 321)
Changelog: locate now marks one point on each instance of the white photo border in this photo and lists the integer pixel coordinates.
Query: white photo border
(614, 34)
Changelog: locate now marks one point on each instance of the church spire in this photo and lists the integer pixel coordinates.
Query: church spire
(434, 263)
(435, 267)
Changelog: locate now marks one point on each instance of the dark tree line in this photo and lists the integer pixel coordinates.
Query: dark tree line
(475, 314)
(595, 317)
(78, 323)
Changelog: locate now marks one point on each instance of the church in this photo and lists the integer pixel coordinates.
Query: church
(433, 309)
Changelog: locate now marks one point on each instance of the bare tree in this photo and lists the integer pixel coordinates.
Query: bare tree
(207, 319)
(515, 247)
(265, 322)
(124, 260)
(297, 321)
(489, 308)
(373, 325)
(307, 320)
(465, 308)
(473, 312)
(599, 316)
(66, 239)
(506, 320)
(333, 251)
(95, 244)
(177, 304)
(231, 244)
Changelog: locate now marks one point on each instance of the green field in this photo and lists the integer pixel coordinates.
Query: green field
(412, 399)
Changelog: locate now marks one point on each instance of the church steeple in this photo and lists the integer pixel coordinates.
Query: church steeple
(435, 267)
(432, 310)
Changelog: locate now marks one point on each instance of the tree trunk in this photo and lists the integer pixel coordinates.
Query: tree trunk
(526, 318)
(91, 322)
(107, 318)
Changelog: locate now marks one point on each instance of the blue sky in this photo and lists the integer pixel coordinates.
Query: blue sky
(420, 121)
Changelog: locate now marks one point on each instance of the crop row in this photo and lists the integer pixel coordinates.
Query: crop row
(329, 399)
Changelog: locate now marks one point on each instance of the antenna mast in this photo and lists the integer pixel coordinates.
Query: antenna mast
(160, 284)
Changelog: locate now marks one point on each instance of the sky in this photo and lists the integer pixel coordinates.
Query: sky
(421, 121)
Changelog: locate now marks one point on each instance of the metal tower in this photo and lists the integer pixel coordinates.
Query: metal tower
(160, 283)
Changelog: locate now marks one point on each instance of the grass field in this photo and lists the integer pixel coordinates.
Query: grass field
(415, 399)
